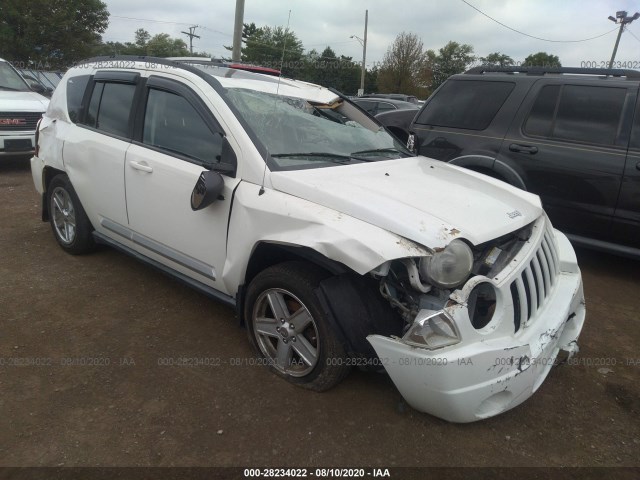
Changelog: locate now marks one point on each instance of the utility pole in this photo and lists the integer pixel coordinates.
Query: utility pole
(237, 31)
(623, 20)
(364, 51)
(191, 35)
(363, 42)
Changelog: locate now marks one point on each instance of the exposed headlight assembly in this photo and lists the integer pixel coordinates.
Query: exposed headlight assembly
(432, 330)
(448, 268)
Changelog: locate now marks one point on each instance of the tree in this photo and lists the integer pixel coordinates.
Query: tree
(162, 45)
(51, 33)
(329, 70)
(401, 66)
(542, 59)
(265, 46)
(451, 59)
(497, 59)
(142, 37)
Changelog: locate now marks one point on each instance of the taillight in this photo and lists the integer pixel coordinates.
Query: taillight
(38, 137)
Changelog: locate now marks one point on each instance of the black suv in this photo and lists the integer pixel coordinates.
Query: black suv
(571, 135)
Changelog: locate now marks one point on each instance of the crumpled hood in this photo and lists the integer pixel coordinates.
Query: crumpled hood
(12, 101)
(421, 199)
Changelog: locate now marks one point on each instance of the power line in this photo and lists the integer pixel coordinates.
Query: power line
(149, 20)
(533, 36)
(632, 34)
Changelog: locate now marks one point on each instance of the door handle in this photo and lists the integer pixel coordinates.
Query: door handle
(514, 147)
(638, 166)
(143, 167)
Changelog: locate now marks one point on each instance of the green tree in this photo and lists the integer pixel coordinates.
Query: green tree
(330, 70)
(51, 32)
(451, 59)
(265, 46)
(542, 59)
(162, 45)
(402, 65)
(142, 37)
(497, 59)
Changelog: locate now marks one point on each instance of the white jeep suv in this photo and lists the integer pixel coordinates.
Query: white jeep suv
(336, 245)
(20, 110)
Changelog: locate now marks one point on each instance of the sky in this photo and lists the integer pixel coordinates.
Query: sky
(322, 23)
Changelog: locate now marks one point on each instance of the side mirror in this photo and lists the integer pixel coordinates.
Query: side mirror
(36, 87)
(207, 190)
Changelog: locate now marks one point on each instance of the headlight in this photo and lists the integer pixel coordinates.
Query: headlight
(449, 267)
(432, 330)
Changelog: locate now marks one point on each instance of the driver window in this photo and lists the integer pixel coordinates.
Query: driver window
(171, 123)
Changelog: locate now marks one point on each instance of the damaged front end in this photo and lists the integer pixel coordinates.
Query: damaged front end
(483, 325)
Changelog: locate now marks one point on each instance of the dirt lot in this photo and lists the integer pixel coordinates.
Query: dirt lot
(127, 409)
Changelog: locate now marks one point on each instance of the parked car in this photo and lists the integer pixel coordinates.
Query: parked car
(394, 96)
(335, 244)
(20, 109)
(571, 135)
(375, 106)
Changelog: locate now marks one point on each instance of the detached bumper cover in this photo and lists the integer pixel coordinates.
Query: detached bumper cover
(475, 380)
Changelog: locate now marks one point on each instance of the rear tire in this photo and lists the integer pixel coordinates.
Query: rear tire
(289, 329)
(71, 226)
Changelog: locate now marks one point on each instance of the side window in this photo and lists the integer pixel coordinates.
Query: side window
(469, 104)
(368, 106)
(385, 107)
(635, 132)
(540, 120)
(171, 123)
(110, 107)
(75, 91)
(589, 114)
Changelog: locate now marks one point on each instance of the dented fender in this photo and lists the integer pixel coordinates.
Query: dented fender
(280, 218)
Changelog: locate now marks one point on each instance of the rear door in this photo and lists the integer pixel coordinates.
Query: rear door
(626, 223)
(569, 143)
(94, 149)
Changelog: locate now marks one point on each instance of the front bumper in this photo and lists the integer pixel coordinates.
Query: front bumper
(496, 371)
(17, 143)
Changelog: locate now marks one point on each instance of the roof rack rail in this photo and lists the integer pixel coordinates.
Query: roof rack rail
(613, 72)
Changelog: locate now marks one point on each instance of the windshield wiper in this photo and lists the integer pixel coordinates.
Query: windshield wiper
(336, 157)
(9, 88)
(380, 150)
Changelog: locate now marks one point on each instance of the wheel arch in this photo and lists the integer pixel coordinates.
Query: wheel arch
(266, 254)
(499, 169)
(48, 174)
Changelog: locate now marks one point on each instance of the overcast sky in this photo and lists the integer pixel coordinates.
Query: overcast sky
(321, 23)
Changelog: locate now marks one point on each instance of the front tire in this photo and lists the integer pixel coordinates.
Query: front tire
(287, 326)
(70, 224)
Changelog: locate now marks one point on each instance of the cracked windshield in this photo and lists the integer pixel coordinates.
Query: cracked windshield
(299, 134)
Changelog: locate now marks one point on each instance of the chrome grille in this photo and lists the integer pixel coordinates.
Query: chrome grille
(531, 288)
(19, 121)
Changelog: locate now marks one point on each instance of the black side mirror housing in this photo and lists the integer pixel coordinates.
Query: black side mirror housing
(227, 161)
(36, 87)
(207, 190)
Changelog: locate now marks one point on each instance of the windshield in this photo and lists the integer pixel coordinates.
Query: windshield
(299, 134)
(10, 80)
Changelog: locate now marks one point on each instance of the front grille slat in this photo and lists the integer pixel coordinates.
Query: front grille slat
(533, 296)
(20, 121)
(534, 284)
(549, 261)
(536, 268)
(522, 301)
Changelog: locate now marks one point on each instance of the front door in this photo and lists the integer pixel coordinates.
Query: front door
(178, 138)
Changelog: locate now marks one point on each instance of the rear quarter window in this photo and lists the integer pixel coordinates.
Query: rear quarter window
(76, 87)
(467, 104)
